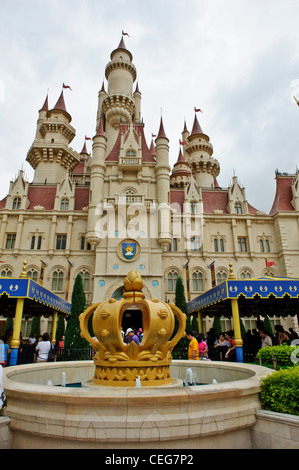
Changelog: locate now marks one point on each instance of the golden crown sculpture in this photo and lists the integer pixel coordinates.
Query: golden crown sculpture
(120, 364)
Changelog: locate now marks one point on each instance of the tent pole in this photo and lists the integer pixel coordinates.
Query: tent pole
(237, 330)
(15, 342)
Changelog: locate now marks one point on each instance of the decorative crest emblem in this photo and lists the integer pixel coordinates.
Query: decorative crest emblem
(129, 250)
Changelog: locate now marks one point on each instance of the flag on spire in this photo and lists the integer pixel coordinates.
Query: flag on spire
(197, 110)
(183, 143)
(125, 34)
(66, 86)
(154, 135)
(87, 138)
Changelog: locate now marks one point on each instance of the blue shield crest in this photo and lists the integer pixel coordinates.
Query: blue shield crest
(129, 250)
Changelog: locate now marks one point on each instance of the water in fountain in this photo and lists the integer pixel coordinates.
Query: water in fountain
(138, 383)
(191, 378)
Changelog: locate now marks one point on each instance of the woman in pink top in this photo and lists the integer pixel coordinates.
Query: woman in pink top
(202, 347)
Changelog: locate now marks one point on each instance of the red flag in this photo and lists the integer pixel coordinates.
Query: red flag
(66, 86)
(270, 263)
(87, 138)
(2, 261)
(125, 34)
(154, 135)
(197, 110)
(183, 143)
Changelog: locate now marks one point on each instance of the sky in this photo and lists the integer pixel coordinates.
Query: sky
(236, 60)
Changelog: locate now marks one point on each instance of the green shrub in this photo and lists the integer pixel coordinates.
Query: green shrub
(280, 391)
(282, 354)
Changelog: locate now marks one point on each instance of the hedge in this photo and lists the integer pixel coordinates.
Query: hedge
(280, 391)
(282, 354)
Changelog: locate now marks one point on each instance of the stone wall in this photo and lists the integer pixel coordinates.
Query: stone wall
(275, 431)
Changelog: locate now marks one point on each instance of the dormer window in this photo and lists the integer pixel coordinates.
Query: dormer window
(131, 153)
(64, 205)
(238, 208)
(16, 203)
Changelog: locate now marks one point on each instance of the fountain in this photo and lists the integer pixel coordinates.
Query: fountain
(132, 396)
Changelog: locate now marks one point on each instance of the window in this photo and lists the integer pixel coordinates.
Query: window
(32, 274)
(38, 244)
(60, 242)
(265, 245)
(64, 205)
(131, 153)
(85, 279)
(197, 281)
(6, 272)
(57, 281)
(130, 196)
(193, 207)
(16, 203)
(242, 242)
(238, 208)
(221, 276)
(172, 278)
(195, 244)
(245, 274)
(175, 244)
(88, 246)
(10, 241)
(219, 245)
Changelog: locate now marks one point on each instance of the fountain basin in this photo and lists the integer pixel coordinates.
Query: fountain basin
(204, 416)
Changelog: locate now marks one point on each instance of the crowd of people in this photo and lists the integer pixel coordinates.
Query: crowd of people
(221, 347)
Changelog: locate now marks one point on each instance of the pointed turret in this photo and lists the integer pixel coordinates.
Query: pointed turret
(45, 106)
(181, 172)
(198, 155)
(84, 150)
(161, 133)
(196, 130)
(137, 100)
(41, 117)
(61, 108)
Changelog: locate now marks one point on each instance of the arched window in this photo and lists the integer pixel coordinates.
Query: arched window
(245, 274)
(32, 274)
(197, 281)
(221, 276)
(57, 280)
(238, 208)
(16, 204)
(64, 205)
(6, 272)
(172, 278)
(130, 196)
(85, 279)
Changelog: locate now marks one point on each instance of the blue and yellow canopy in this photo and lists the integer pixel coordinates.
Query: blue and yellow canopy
(269, 295)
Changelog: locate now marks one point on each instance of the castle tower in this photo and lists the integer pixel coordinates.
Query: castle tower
(50, 155)
(162, 170)
(97, 175)
(199, 153)
(118, 103)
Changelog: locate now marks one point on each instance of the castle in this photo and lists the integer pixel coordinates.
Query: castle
(123, 207)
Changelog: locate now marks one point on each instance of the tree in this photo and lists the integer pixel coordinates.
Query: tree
(73, 338)
(217, 325)
(180, 302)
(35, 326)
(60, 329)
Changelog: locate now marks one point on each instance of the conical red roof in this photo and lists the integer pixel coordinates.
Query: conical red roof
(161, 130)
(45, 105)
(123, 47)
(60, 105)
(196, 127)
(100, 129)
(84, 150)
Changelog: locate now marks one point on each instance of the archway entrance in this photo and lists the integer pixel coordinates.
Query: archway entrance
(132, 318)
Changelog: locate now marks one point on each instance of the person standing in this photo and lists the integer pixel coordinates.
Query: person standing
(266, 340)
(193, 353)
(43, 348)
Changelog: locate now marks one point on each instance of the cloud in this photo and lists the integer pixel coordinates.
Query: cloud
(236, 60)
